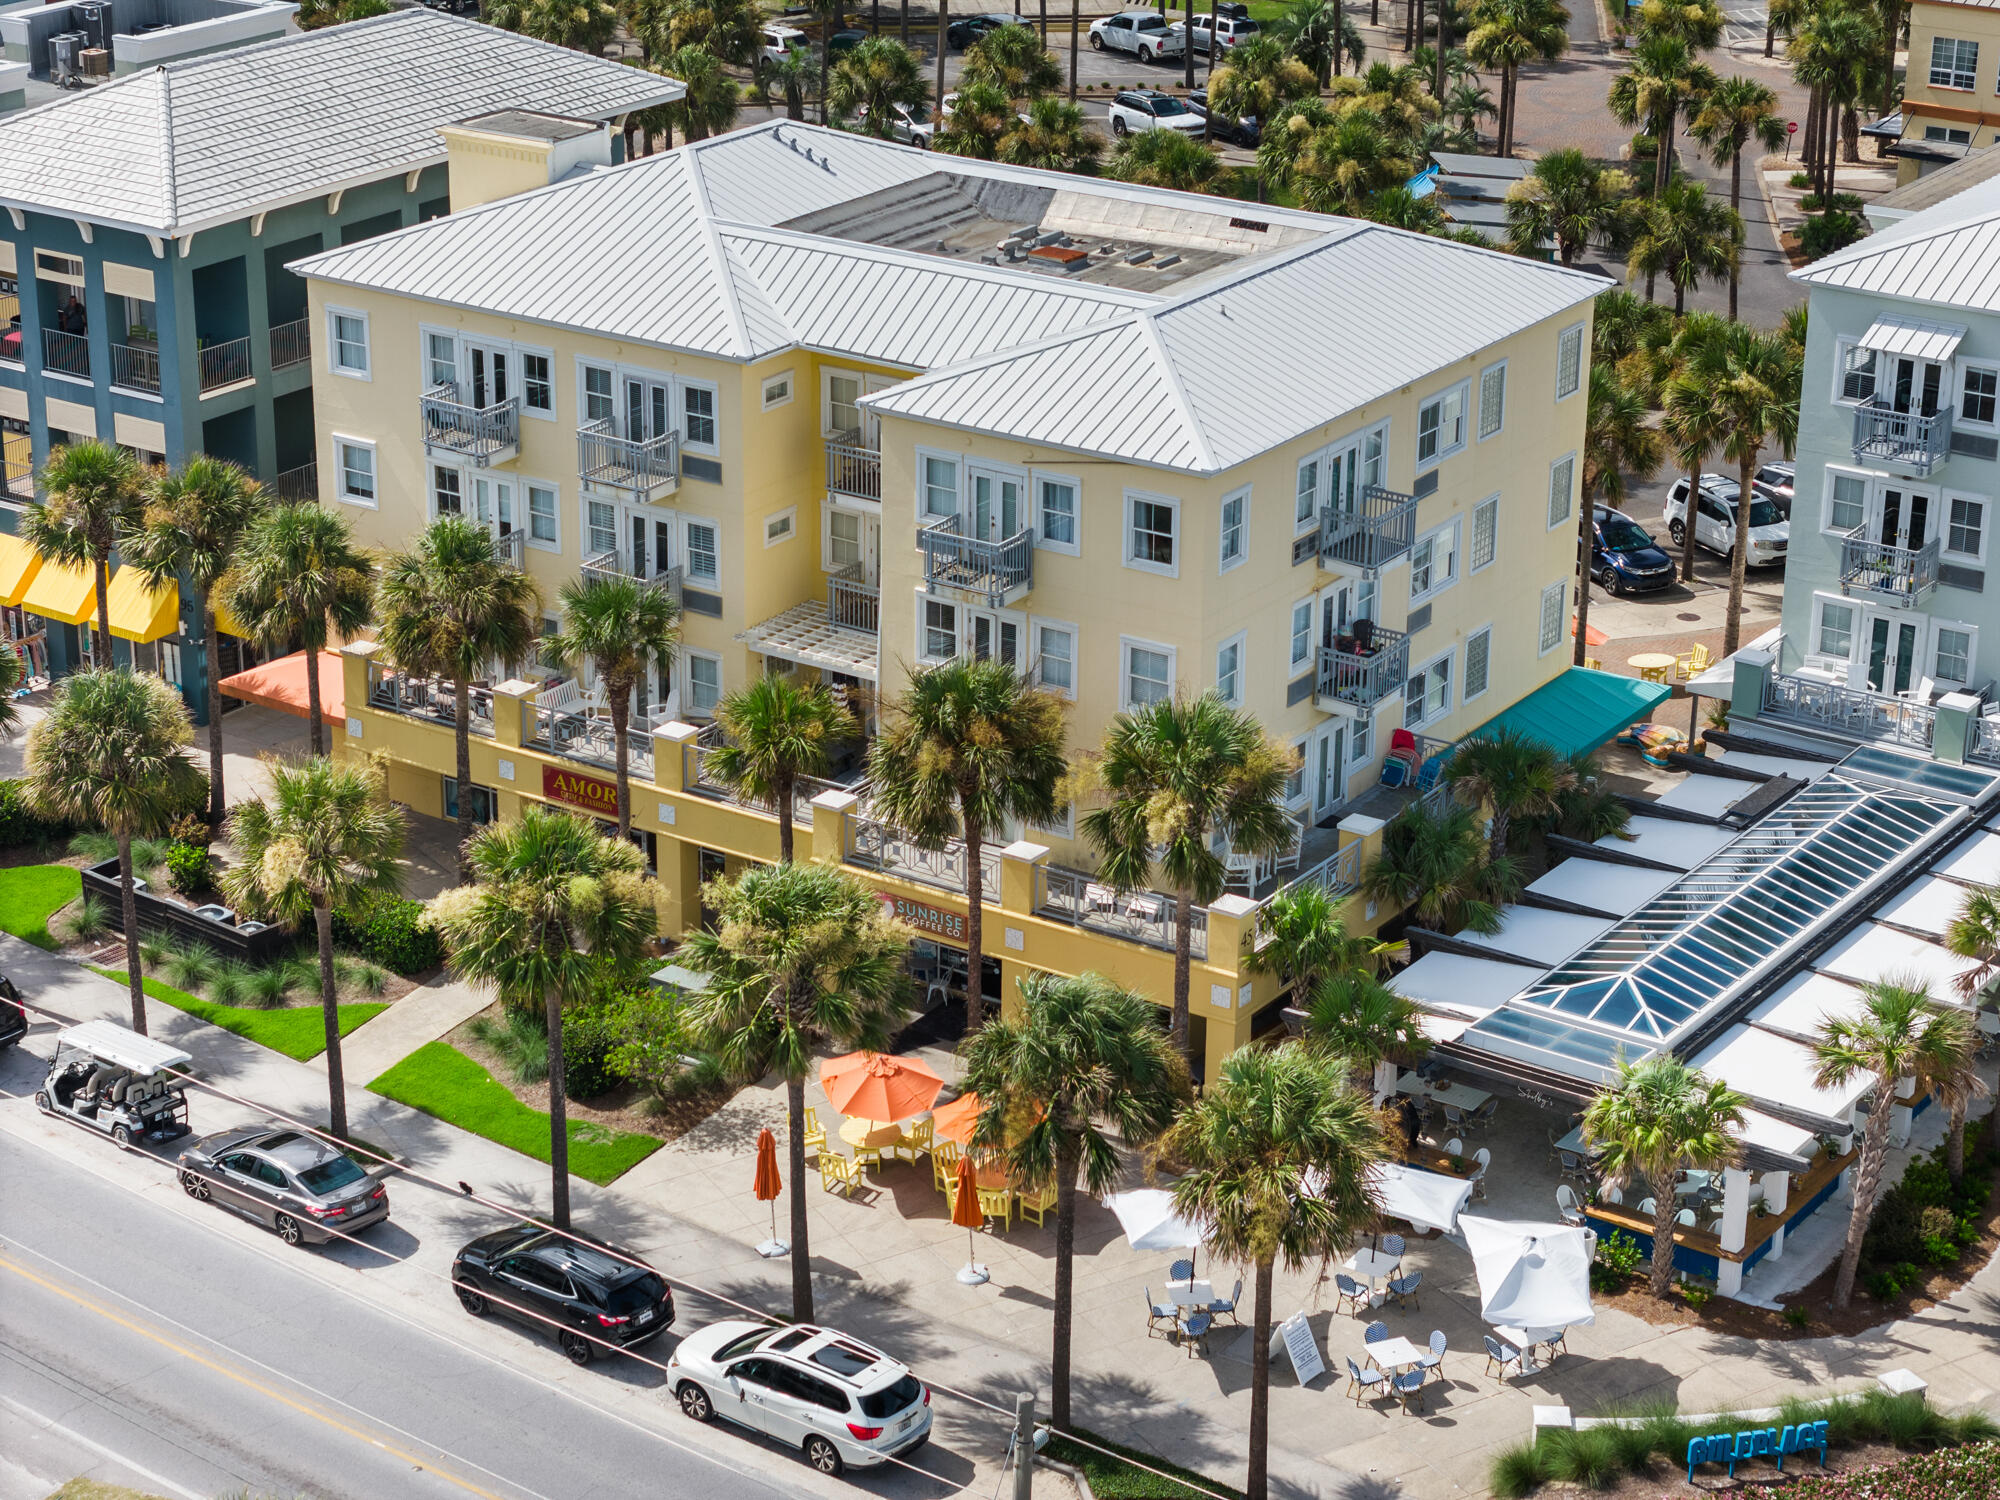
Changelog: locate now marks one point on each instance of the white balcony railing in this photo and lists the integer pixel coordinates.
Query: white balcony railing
(643, 467)
(484, 434)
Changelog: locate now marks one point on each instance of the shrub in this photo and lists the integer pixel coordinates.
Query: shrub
(391, 932)
(1801, 179)
(85, 922)
(653, 1041)
(1620, 1255)
(1847, 203)
(359, 976)
(188, 965)
(267, 988)
(1822, 234)
(1797, 1317)
(589, 1039)
(1589, 1456)
(521, 1041)
(22, 824)
(226, 986)
(1698, 1296)
(1519, 1471)
(190, 869)
(1644, 148)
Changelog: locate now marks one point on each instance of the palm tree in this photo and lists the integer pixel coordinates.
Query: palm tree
(1259, 78)
(1660, 1118)
(1737, 112)
(1399, 208)
(195, 519)
(1438, 865)
(1975, 934)
(1346, 163)
(1178, 772)
(1506, 35)
(1696, 22)
(1900, 1033)
(453, 606)
(775, 731)
(1400, 97)
(979, 117)
(1357, 1018)
(299, 581)
(327, 835)
(555, 912)
(1014, 61)
(1687, 422)
(1688, 235)
(1165, 159)
(794, 74)
(1086, 1064)
(1780, 16)
(1055, 136)
(726, 28)
(110, 754)
(1307, 942)
(713, 99)
(94, 494)
(1465, 105)
(619, 627)
(582, 25)
(1512, 774)
(1662, 75)
(869, 81)
(1319, 34)
(1626, 324)
(1618, 438)
(1743, 386)
(801, 956)
(969, 745)
(1832, 53)
(1278, 1150)
(1569, 200)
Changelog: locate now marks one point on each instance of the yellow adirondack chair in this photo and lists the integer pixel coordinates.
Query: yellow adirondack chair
(998, 1203)
(837, 1174)
(1036, 1205)
(1693, 662)
(815, 1133)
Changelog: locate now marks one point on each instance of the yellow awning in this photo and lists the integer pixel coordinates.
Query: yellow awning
(61, 593)
(18, 565)
(140, 612)
(225, 622)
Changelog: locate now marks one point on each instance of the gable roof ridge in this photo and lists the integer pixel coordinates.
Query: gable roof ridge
(169, 175)
(1147, 321)
(719, 259)
(1872, 247)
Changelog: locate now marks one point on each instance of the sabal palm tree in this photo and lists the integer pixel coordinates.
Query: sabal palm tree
(1399, 208)
(111, 754)
(1513, 774)
(869, 81)
(1165, 159)
(94, 493)
(726, 28)
(1900, 1033)
(1320, 34)
(1259, 78)
(620, 628)
(1618, 439)
(1696, 22)
(325, 835)
(1689, 236)
(713, 99)
(1832, 52)
(980, 116)
(1082, 1072)
(1780, 16)
(1176, 773)
(1400, 96)
(581, 25)
(1625, 324)
(794, 74)
(1348, 162)
(969, 745)
(453, 606)
(299, 580)
(1014, 61)
(555, 912)
(1055, 136)
(1506, 36)
(1437, 863)
(1568, 200)
(1659, 1118)
(775, 731)
(194, 520)
(1278, 1151)
(1662, 77)
(1465, 105)
(1356, 1017)
(1687, 422)
(1736, 113)
(1307, 942)
(1743, 385)
(801, 956)
(1287, 134)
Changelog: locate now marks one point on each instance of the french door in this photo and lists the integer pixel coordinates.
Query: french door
(493, 504)
(1894, 647)
(1914, 385)
(491, 372)
(1906, 518)
(1344, 603)
(995, 637)
(1324, 767)
(997, 503)
(649, 408)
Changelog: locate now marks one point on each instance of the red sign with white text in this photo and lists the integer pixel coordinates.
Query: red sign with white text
(590, 793)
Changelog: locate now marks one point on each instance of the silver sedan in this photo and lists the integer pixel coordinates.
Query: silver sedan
(286, 1180)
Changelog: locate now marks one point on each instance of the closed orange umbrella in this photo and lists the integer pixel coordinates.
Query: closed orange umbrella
(767, 1189)
(877, 1086)
(967, 1215)
(955, 1121)
(1592, 636)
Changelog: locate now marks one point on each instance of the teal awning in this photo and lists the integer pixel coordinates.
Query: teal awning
(1579, 710)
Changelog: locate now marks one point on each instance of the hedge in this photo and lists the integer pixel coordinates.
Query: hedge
(389, 930)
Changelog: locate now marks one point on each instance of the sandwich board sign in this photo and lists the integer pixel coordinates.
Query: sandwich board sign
(1295, 1333)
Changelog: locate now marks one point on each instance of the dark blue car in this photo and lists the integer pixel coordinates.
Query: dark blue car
(1623, 559)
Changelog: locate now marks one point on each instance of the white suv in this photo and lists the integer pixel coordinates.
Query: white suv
(1142, 32)
(1715, 520)
(834, 1398)
(1149, 109)
(773, 42)
(1225, 32)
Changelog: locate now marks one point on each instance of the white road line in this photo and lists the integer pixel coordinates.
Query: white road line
(70, 1434)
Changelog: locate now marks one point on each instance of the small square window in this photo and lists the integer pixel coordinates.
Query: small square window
(357, 471)
(1847, 502)
(1981, 387)
(1149, 675)
(1966, 532)
(350, 343)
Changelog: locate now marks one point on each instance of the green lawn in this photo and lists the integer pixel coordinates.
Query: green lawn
(298, 1032)
(442, 1081)
(1113, 1479)
(31, 894)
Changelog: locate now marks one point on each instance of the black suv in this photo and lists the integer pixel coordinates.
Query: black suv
(13, 1014)
(963, 32)
(591, 1295)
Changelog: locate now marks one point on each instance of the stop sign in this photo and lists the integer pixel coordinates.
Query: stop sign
(1791, 127)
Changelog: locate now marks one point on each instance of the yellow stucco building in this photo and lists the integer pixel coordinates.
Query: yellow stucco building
(1951, 96)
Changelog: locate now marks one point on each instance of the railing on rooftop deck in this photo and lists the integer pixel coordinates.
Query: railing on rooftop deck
(700, 779)
(1985, 745)
(223, 364)
(877, 846)
(1856, 712)
(433, 698)
(291, 344)
(1084, 900)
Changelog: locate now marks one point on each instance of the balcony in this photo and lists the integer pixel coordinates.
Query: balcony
(65, 353)
(1079, 899)
(1362, 676)
(17, 469)
(611, 565)
(849, 773)
(301, 483)
(483, 434)
(645, 468)
(853, 472)
(852, 604)
(511, 547)
(223, 365)
(1371, 535)
(291, 344)
(1903, 575)
(136, 366)
(431, 698)
(1909, 440)
(997, 572)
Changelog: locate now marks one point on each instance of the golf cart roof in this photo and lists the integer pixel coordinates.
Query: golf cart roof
(124, 1047)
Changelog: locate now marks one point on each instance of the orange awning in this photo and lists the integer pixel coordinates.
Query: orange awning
(281, 684)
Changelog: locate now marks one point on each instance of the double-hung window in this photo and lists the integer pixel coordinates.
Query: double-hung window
(698, 416)
(357, 470)
(1055, 513)
(704, 683)
(1152, 525)
(543, 530)
(1055, 657)
(1846, 502)
(598, 405)
(447, 491)
(1562, 489)
(938, 486)
(1569, 362)
(1441, 426)
(1229, 671)
(704, 555)
(1235, 542)
(1305, 505)
(1554, 598)
(1979, 385)
(538, 384)
(1855, 370)
(349, 353)
(843, 540)
(1953, 658)
(1954, 64)
(1302, 633)
(1965, 528)
(1148, 673)
(600, 524)
(843, 404)
(1836, 630)
(440, 358)
(1492, 400)
(1427, 695)
(1434, 562)
(940, 630)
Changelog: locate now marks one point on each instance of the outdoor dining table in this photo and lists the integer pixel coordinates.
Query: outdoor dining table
(870, 1135)
(1371, 1265)
(1526, 1339)
(1397, 1351)
(1574, 1142)
(1463, 1095)
(993, 1176)
(1188, 1295)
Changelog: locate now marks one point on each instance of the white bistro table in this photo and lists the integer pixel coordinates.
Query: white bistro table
(1525, 1339)
(1397, 1352)
(1462, 1095)
(1188, 1294)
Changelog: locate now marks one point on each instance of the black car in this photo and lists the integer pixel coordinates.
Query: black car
(1623, 558)
(1242, 132)
(966, 30)
(590, 1295)
(842, 42)
(13, 1014)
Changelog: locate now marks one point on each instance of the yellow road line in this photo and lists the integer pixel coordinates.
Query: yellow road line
(304, 1409)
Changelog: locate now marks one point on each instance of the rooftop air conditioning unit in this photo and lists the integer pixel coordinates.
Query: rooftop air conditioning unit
(93, 19)
(65, 58)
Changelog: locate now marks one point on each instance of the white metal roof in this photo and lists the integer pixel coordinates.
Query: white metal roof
(1911, 336)
(1604, 887)
(1778, 1071)
(1948, 254)
(1464, 986)
(1773, 1134)
(1873, 952)
(1547, 937)
(208, 140)
(122, 1046)
(1682, 845)
(1976, 859)
(1805, 1002)
(1929, 905)
(1706, 794)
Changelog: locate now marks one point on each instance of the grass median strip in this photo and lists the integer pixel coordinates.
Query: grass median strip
(297, 1031)
(443, 1082)
(1112, 1478)
(31, 894)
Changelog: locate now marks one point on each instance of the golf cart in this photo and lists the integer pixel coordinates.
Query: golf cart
(111, 1078)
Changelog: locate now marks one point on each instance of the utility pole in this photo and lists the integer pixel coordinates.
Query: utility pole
(1024, 1447)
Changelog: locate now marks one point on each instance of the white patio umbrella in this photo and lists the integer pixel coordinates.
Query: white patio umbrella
(1147, 1216)
(1535, 1277)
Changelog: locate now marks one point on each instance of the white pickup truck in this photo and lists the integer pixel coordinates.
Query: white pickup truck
(1145, 33)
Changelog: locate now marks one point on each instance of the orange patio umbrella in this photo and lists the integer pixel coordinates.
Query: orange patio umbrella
(1592, 636)
(955, 1121)
(967, 1215)
(768, 1187)
(877, 1086)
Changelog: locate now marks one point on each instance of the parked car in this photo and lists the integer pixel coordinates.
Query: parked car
(831, 1396)
(773, 42)
(1243, 132)
(1778, 480)
(593, 1296)
(842, 42)
(1219, 31)
(1149, 109)
(285, 1180)
(910, 123)
(1715, 520)
(1144, 33)
(1623, 558)
(965, 30)
(13, 1014)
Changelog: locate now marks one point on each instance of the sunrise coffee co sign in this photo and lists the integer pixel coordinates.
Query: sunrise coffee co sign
(591, 793)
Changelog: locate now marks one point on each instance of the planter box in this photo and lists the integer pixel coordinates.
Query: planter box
(159, 914)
